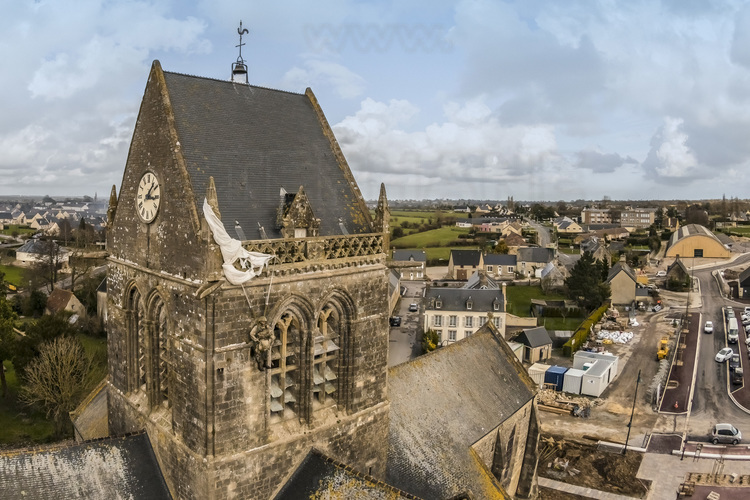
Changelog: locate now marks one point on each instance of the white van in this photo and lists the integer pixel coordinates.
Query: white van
(732, 331)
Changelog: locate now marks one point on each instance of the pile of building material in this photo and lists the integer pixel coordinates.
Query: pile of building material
(616, 337)
(564, 404)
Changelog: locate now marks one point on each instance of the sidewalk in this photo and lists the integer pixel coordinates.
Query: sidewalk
(668, 472)
(580, 490)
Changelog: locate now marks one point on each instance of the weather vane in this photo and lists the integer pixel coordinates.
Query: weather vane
(239, 69)
(241, 31)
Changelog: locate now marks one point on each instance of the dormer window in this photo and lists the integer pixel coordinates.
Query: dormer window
(469, 303)
(496, 305)
(438, 303)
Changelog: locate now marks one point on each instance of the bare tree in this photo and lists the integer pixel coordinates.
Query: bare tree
(55, 380)
(45, 270)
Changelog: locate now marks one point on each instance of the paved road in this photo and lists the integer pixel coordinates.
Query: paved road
(405, 340)
(711, 402)
(544, 233)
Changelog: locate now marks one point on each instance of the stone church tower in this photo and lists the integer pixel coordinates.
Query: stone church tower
(234, 383)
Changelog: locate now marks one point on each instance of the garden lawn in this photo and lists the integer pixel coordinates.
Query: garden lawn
(519, 298)
(13, 275)
(21, 425)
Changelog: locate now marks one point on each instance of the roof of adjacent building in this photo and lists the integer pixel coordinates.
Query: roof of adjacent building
(536, 254)
(744, 276)
(692, 230)
(257, 143)
(621, 267)
(59, 299)
(470, 387)
(534, 337)
(407, 255)
(679, 265)
(480, 281)
(500, 259)
(466, 257)
(123, 467)
(455, 299)
(318, 475)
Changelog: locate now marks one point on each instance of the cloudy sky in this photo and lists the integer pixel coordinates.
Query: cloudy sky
(535, 99)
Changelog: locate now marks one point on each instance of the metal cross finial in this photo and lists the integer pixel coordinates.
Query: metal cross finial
(241, 31)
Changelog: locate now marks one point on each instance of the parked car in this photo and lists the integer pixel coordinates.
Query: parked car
(737, 377)
(413, 307)
(395, 320)
(729, 312)
(745, 320)
(661, 274)
(709, 328)
(725, 433)
(747, 310)
(724, 354)
(734, 362)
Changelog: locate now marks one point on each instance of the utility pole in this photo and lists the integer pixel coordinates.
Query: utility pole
(632, 411)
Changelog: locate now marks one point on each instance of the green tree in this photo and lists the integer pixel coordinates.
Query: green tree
(56, 380)
(586, 284)
(430, 340)
(501, 247)
(45, 329)
(7, 335)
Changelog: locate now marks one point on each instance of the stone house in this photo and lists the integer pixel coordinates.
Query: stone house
(677, 275)
(531, 259)
(37, 251)
(537, 344)
(410, 264)
(464, 263)
(456, 313)
(622, 281)
(500, 266)
(63, 300)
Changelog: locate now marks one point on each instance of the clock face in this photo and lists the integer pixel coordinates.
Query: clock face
(148, 197)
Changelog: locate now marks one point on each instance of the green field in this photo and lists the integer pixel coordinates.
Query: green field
(436, 237)
(13, 275)
(739, 230)
(21, 230)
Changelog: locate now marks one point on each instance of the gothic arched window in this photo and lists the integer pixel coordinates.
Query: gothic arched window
(285, 368)
(326, 349)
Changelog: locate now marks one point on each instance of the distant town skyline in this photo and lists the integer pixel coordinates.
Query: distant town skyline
(472, 99)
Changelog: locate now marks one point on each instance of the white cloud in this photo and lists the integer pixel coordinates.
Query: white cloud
(670, 157)
(317, 72)
(470, 150)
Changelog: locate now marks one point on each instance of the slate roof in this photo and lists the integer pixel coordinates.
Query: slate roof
(500, 259)
(469, 387)
(466, 257)
(317, 476)
(407, 255)
(534, 337)
(475, 283)
(106, 469)
(620, 266)
(535, 254)
(255, 141)
(679, 264)
(744, 276)
(725, 239)
(58, 300)
(454, 299)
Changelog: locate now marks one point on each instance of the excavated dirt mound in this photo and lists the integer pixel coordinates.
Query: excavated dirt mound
(585, 464)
